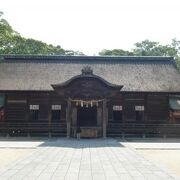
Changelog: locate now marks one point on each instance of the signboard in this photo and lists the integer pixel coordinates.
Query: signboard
(56, 107)
(117, 108)
(139, 108)
(34, 107)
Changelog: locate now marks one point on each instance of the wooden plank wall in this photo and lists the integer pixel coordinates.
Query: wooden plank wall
(130, 101)
(117, 101)
(17, 106)
(157, 108)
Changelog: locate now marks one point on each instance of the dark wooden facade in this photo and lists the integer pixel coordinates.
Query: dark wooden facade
(156, 119)
(107, 110)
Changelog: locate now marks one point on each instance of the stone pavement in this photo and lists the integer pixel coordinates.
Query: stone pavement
(71, 159)
(155, 143)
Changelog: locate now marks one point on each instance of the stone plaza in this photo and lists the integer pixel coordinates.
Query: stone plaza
(84, 159)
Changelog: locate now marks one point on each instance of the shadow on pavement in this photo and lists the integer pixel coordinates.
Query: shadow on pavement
(82, 143)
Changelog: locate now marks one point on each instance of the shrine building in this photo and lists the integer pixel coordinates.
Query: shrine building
(103, 96)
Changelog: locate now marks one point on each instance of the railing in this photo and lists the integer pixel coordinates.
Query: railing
(32, 127)
(113, 129)
(143, 129)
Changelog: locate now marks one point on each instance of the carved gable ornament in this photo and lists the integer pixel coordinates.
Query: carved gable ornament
(86, 86)
(87, 70)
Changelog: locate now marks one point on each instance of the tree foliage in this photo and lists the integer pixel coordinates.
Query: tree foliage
(12, 42)
(115, 52)
(149, 48)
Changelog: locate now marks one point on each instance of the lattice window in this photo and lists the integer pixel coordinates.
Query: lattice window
(34, 112)
(55, 112)
(117, 113)
(139, 113)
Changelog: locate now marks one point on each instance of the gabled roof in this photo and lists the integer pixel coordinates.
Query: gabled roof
(152, 74)
(87, 73)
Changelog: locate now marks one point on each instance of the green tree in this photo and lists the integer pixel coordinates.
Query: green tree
(145, 48)
(6, 35)
(115, 52)
(176, 45)
(149, 48)
(12, 42)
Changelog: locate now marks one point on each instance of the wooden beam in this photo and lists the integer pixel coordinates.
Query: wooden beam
(123, 105)
(68, 118)
(5, 108)
(105, 115)
(99, 116)
(49, 116)
(145, 108)
(74, 120)
(27, 115)
(5, 115)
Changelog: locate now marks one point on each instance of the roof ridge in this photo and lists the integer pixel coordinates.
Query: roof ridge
(65, 57)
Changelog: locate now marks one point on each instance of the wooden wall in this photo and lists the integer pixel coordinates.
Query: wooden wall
(156, 111)
(17, 106)
(116, 101)
(130, 101)
(156, 106)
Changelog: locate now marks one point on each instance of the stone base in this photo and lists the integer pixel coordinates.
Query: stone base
(89, 133)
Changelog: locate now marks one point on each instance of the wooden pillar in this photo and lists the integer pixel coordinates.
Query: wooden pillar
(27, 115)
(99, 116)
(74, 116)
(49, 118)
(123, 109)
(145, 108)
(105, 117)
(68, 118)
(5, 116)
(99, 119)
(168, 107)
(74, 120)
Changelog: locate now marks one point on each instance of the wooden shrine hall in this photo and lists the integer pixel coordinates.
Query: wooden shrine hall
(101, 96)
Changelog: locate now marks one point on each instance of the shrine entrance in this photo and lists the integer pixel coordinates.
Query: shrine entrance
(87, 116)
(86, 96)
